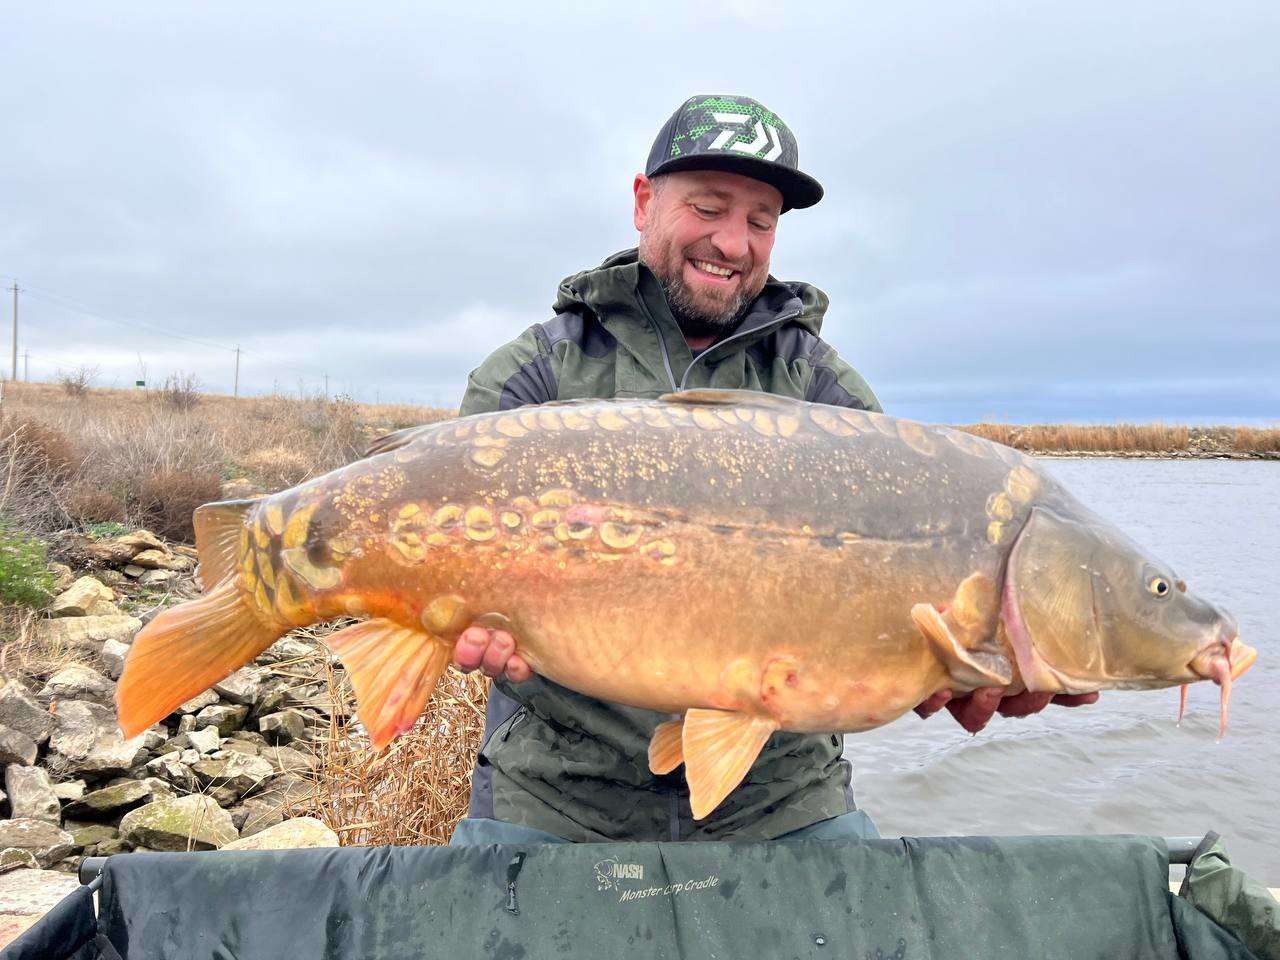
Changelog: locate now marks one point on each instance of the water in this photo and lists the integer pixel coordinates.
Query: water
(1121, 766)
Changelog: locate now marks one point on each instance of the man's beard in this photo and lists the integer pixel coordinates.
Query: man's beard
(694, 320)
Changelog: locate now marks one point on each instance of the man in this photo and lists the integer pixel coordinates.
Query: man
(694, 306)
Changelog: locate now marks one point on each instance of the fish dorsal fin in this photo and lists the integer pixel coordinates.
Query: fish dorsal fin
(963, 637)
(393, 670)
(706, 397)
(397, 439)
(218, 527)
(666, 751)
(719, 747)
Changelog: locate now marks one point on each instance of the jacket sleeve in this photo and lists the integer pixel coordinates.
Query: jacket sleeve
(518, 373)
(836, 383)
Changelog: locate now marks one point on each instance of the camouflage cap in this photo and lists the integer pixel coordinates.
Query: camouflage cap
(738, 135)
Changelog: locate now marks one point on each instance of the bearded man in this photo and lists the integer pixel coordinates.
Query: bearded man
(693, 306)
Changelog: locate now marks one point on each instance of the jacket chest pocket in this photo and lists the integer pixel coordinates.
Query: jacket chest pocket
(634, 379)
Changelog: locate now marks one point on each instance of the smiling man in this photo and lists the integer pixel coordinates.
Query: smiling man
(693, 306)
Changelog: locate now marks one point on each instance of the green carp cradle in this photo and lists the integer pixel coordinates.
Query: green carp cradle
(750, 562)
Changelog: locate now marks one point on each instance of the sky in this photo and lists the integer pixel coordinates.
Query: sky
(1034, 211)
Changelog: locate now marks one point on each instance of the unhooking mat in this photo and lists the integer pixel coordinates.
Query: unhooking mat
(907, 899)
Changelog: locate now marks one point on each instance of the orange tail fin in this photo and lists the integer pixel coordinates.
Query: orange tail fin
(186, 650)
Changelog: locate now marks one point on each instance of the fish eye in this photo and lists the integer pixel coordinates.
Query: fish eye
(1159, 586)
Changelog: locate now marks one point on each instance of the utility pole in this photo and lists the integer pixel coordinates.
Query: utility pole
(15, 330)
(326, 386)
(26, 367)
(235, 391)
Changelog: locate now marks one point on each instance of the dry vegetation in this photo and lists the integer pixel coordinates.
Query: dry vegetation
(72, 457)
(413, 792)
(1149, 438)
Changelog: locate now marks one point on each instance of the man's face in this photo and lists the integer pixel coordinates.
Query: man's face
(707, 236)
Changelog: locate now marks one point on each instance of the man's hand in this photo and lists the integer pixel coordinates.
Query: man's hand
(492, 651)
(974, 710)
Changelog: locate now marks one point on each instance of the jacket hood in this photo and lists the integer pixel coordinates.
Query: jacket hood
(613, 288)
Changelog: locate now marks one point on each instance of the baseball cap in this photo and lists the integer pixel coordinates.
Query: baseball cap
(737, 135)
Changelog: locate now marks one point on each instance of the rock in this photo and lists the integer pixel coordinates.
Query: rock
(141, 540)
(172, 769)
(86, 633)
(110, 553)
(18, 711)
(230, 746)
(12, 857)
(86, 597)
(286, 649)
(197, 703)
(225, 717)
(251, 737)
(284, 726)
(133, 570)
(63, 577)
(231, 778)
(194, 822)
(69, 790)
(113, 578)
(112, 655)
(161, 560)
(46, 841)
(108, 848)
(254, 816)
(87, 741)
(185, 550)
(290, 835)
(186, 724)
(76, 682)
(205, 740)
(157, 578)
(31, 794)
(241, 488)
(286, 790)
(88, 834)
(244, 686)
(118, 798)
(17, 747)
(287, 760)
(27, 894)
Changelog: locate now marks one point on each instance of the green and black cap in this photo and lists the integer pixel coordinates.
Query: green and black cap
(738, 135)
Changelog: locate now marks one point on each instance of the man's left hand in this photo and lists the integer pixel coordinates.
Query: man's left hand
(973, 710)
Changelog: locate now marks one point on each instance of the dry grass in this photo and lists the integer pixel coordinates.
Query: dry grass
(1130, 438)
(417, 789)
(67, 459)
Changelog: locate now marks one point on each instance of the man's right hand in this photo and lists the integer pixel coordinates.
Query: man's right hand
(492, 651)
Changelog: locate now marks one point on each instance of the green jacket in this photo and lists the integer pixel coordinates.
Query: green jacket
(576, 767)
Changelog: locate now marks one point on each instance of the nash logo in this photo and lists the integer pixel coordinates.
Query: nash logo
(766, 145)
(610, 871)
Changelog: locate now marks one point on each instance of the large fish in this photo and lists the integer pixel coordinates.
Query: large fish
(751, 563)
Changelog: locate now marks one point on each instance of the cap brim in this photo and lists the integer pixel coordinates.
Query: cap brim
(798, 189)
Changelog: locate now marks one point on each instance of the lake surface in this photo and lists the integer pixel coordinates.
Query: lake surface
(1121, 765)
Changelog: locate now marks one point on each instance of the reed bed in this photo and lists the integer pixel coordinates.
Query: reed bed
(1153, 438)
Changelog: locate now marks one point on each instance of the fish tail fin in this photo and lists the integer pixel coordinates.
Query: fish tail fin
(186, 650)
(666, 749)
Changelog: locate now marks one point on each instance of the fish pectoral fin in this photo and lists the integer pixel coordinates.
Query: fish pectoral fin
(393, 670)
(218, 527)
(972, 666)
(719, 747)
(666, 750)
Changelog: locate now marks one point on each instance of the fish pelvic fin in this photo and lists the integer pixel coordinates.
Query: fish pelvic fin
(218, 529)
(186, 650)
(393, 670)
(719, 747)
(962, 638)
(666, 749)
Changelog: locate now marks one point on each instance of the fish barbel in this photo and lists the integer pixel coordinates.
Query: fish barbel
(751, 563)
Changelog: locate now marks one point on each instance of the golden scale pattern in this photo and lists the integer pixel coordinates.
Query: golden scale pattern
(555, 519)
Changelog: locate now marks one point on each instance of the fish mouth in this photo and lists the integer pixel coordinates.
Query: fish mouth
(1223, 660)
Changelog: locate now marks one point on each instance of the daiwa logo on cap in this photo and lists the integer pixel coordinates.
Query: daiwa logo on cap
(766, 144)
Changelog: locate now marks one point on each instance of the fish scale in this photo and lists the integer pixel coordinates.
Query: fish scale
(888, 560)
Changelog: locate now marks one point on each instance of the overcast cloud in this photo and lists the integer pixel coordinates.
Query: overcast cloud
(1035, 211)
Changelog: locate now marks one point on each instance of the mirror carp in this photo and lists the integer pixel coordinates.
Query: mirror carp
(746, 562)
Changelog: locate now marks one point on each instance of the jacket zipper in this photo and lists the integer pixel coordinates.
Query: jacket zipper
(741, 333)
